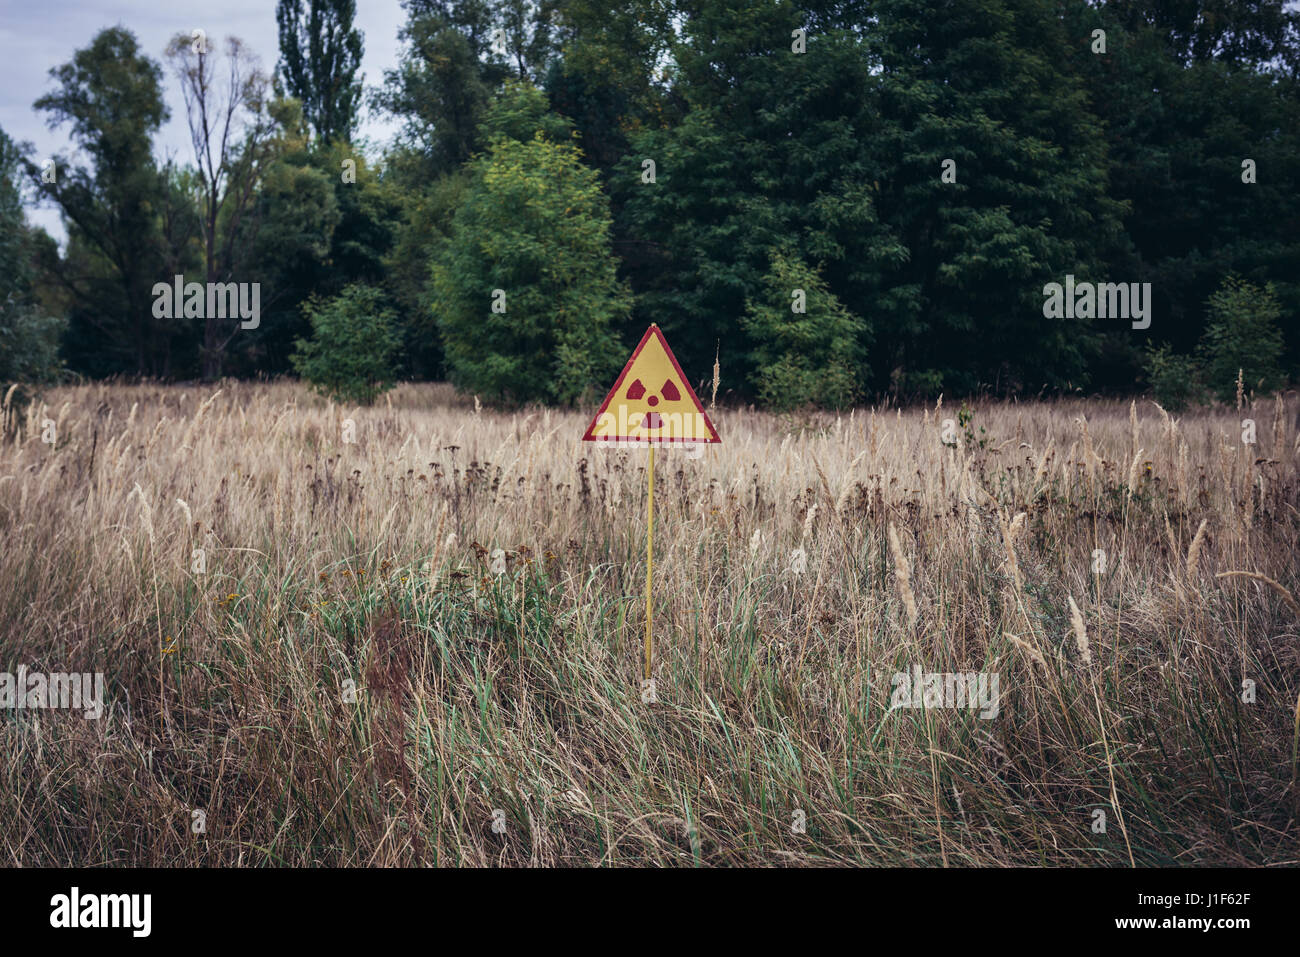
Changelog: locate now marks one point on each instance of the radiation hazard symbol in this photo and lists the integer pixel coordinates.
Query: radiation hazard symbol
(651, 402)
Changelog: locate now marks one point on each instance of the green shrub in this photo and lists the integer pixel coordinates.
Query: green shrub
(526, 291)
(354, 346)
(811, 357)
(1174, 378)
(1242, 334)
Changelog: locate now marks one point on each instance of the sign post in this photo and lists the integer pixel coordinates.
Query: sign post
(649, 564)
(652, 403)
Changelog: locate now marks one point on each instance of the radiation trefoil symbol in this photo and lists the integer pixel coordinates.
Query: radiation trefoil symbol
(652, 402)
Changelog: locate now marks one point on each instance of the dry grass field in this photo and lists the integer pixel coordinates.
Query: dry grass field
(234, 566)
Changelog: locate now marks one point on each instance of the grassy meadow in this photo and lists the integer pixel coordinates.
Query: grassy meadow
(305, 635)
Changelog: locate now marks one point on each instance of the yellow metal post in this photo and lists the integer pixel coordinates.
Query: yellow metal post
(649, 560)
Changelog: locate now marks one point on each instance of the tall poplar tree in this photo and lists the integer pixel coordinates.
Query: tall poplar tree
(320, 53)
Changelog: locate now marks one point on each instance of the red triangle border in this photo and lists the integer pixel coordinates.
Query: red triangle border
(655, 331)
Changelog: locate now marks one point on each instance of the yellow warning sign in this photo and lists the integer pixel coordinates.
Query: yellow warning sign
(651, 402)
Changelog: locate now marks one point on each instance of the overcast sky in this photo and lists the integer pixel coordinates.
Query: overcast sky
(35, 36)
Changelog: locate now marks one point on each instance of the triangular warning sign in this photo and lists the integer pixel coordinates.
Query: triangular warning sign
(652, 402)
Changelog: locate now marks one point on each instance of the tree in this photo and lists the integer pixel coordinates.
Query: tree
(769, 150)
(1242, 338)
(443, 81)
(1256, 34)
(110, 95)
(320, 52)
(29, 337)
(1174, 378)
(526, 290)
(842, 150)
(1183, 105)
(231, 132)
(524, 36)
(457, 54)
(808, 346)
(418, 240)
(981, 83)
(323, 220)
(297, 217)
(610, 77)
(351, 355)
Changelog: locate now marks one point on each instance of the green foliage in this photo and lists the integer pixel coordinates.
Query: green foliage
(1122, 165)
(451, 64)
(1184, 94)
(966, 420)
(980, 82)
(769, 152)
(29, 338)
(352, 354)
(325, 221)
(535, 226)
(15, 261)
(419, 238)
(29, 346)
(110, 95)
(813, 357)
(320, 53)
(1239, 34)
(610, 79)
(520, 112)
(1242, 336)
(840, 151)
(300, 213)
(1174, 378)
(440, 87)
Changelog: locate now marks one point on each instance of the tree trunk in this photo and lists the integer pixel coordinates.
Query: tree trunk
(211, 331)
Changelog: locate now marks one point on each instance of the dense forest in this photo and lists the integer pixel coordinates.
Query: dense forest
(835, 201)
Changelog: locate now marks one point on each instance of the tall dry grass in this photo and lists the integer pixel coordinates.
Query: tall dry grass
(1122, 571)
